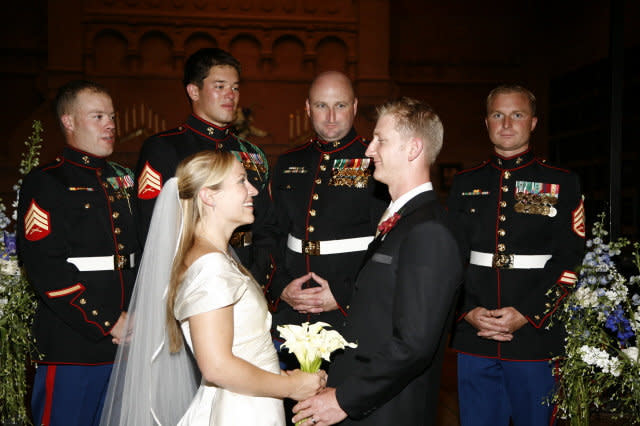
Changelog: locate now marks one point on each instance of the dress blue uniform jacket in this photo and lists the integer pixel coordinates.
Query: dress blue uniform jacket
(490, 213)
(159, 158)
(324, 191)
(77, 206)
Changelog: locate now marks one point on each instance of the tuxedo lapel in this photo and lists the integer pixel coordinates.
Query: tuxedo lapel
(411, 206)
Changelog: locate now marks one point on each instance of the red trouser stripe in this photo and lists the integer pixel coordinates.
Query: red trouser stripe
(50, 382)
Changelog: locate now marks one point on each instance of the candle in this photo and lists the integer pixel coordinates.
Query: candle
(290, 126)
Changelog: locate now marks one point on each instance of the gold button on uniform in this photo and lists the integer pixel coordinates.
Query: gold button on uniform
(502, 218)
(115, 215)
(105, 185)
(312, 212)
(120, 246)
(502, 232)
(310, 228)
(315, 196)
(537, 317)
(323, 167)
(117, 231)
(326, 157)
(111, 198)
(83, 301)
(94, 313)
(507, 175)
(503, 204)
(107, 323)
(318, 181)
(501, 247)
(505, 188)
(472, 210)
(87, 206)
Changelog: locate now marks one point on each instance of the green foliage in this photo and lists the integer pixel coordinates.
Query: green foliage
(17, 304)
(601, 369)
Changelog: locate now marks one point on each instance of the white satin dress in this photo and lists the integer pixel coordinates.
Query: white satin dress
(214, 281)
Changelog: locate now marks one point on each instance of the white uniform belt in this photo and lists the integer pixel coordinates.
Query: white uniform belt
(103, 263)
(509, 261)
(317, 248)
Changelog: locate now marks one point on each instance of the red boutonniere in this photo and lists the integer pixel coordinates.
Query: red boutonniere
(388, 224)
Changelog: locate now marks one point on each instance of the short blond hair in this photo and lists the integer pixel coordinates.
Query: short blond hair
(416, 118)
(504, 89)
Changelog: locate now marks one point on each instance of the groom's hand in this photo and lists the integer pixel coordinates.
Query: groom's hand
(320, 410)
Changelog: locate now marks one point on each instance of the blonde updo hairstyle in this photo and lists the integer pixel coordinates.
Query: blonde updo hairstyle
(204, 169)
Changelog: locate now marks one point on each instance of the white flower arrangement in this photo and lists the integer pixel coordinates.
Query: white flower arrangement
(601, 369)
(17, 303)
(311, 343)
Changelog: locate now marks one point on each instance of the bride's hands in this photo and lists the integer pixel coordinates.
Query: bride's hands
(306, 385)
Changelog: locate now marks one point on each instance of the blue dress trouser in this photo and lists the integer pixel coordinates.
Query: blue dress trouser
(490, 391)
(69, 395)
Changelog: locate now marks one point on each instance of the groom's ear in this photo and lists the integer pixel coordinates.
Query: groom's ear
(207, 196)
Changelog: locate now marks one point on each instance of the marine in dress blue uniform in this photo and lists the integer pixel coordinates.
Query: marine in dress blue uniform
(328, 206)
(79, 247)
(520, 224)
(327, 200)
(211, 80)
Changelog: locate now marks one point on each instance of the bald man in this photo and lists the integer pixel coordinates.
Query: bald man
(328, 208)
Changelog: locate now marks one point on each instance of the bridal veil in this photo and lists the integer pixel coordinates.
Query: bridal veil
(149, 385)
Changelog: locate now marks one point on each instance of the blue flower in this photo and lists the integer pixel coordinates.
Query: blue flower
(619, 324)
(635, 299)
(9, 245)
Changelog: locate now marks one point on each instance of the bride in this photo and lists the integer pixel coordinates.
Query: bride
(213, 302)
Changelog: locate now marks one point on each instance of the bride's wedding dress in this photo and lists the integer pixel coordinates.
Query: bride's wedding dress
(214, 281)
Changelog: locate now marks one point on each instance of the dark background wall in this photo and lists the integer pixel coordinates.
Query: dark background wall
(447, 53)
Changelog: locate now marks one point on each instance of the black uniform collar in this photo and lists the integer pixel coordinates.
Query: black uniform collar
(84, 159)
(325, 146)
(511, 162)
(205, 128)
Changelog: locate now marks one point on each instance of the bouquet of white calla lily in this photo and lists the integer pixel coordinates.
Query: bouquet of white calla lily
(311, 343)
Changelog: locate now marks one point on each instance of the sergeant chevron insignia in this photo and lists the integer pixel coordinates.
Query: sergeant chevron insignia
(578, 219)
(36, 222)
(568, 277)
(149, 183)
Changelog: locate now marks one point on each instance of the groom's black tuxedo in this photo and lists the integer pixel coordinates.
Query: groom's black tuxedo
(399, 316)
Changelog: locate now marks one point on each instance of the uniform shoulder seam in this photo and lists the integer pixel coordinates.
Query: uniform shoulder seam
(549, 166)
(471, 169)
(298, 148)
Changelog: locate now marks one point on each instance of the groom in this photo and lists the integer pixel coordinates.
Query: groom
(405, 291)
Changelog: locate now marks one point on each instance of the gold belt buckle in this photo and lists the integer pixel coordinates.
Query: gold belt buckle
(502, 261)
(311, 248)
(119, 262)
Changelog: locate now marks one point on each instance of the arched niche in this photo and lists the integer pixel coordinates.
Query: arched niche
(288, 56)
(246, 49)
(332, 54)
(110, 52)
(156, 53)
(198, 41)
